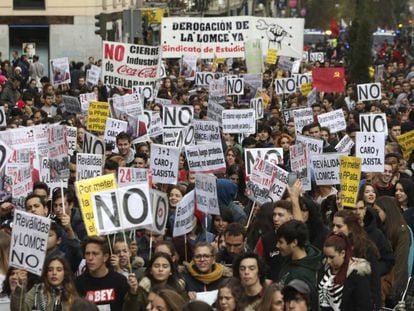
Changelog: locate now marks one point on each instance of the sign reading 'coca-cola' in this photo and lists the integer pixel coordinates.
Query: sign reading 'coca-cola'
(128, 65)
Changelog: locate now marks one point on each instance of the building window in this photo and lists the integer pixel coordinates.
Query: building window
(29, 4)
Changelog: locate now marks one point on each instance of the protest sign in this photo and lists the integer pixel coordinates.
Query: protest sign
(88, 165)
(214, 112)
(132, 175)
(84, 190)
(155, 127)
(206, 131)
(29, 241)
(373, 122)
(333, 120)
(59, 69)
(188, 65)
(271, 56)
(97, 114)
(85, 99)
(326, 168)
(311, 97)
(129, 104)
(234, 86)
(3, 119)
(316, 57)
(205, 158)
(144, 91)
(92, 144)
(274, 155)
(58, 152)
(184, 215)
(278, 187)
(159, 203)
(93, 75)
(72, 104)
(301, 79)
(21, 190)
(370, 148)
(345, 144)
(169, 136)
(350, 174)
(126, 65)
(206, 194)
(164, 164)
(239, 121)
(71, 135)
(284, 63)
(41, 133)
(302, 117)
(203, 78)
(258, 106)
(253, 85)
(177, 116)
(185, 137)
(300, 164)
(314, 145)
(369, 91)
(406, 141)
(224, 37)
(260, 180)
(285, 86)
(379, 73)
(112, 128)
(306, 89)
(253, 56)
(124, 208)
(5, 153)
(217, 91)
(163, 101)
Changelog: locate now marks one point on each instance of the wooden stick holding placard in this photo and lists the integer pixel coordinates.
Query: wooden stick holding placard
(251, 215)
(150, 247)
(110, 246)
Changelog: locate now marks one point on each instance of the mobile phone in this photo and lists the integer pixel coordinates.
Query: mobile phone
(292, 177)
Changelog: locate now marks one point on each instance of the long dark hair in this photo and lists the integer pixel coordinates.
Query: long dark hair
(340, 243)
(237, 292)
(173, 280)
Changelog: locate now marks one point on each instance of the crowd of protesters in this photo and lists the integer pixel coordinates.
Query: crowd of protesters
(304, 252)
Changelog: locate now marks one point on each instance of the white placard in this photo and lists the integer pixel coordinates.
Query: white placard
(274, 155)
(132, 175)
(239, 121)
(326, 168)
(258, 105)
(234, 86)
(59, 71)
(345, 144)
(88, 165)
(112, 128)
(85, 99)
(373, 122)
(206, 131)
(370, 148)
(177, 116)
(333, 120)
(159, 211)
(92, 144)
(205, 158)
(314, 145)
(300, 164)
(5, 153)
(3, 119)
(203, 78)
(279, 184)
(164, 164)
(29, 241)
(260, 181)
(206, 194)
(184, 215)
(369, 91)
(302, 117)
(72, 135)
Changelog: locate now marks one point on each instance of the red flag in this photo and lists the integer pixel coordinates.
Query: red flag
(334, 28)
(329, 79)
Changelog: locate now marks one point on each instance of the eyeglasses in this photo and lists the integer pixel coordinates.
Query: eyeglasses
(202, 256)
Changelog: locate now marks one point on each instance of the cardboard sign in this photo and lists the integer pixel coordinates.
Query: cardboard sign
(188, 65)
(379, 73)
(58, 152)
(316, 57)
(29, 241)
(350, 174)
(71, 135)
(311, 97)
(185, 137)
(93, 75)
(205, 158)
(159, 203)
(155, 126)
(124, 208)
(406, 141)
(5, 153)
(300, 164)
(217, 92)
(369, 91)
(177, 116)
(127, 65)
(206, 194)
(203, 78)
(88, 165)
(3, 119)
(112, 128)
(285, 86)
(169, 136)
(184, 215)
(84, 190)
(274, 155)
(129, 104)
(258, 105)
(279, 185)
(373, 122)
(370, 148)
(334, 120)
(132, 175)
(98, 113)
(301, 118)
(92, 144)
(215, 112)
(239, 121)
(253, 56)
(164, 164)
(144, 91)
(271, 56)
(224, 37)
(345, 144)
(234, 86)
(85, 99)
(326, 168)
(314, 145)
(59, 71)
(260, 181)
(206, 131)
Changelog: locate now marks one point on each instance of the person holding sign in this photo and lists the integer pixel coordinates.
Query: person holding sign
(55, 292)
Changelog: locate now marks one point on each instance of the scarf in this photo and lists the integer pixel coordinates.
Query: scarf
(206, 278)
(41, 300)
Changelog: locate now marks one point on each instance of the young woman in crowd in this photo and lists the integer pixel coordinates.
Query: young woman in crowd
(164, 299)
(398, 233)
(284, 141)
(368, 194)
(272, 299)
(344, 280)
(230, 296)
(404, 194)
(233, 156)
(55, 292)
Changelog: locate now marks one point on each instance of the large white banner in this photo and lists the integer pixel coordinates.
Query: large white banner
(126, 65)
(224, 37)
(29, 241)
